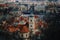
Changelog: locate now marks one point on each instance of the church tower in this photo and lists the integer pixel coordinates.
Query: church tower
(32, 23)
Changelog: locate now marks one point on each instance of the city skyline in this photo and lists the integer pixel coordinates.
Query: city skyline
(21, 0)
(27, 0)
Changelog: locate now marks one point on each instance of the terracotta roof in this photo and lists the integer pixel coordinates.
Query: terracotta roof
(12, 29)
(36, 16)
(24, 29)
(2, 5)
(41, 23)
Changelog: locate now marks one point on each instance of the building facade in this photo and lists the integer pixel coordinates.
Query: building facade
(32, 24)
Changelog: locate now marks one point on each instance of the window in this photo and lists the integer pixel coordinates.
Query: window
(26, 35)
(31, 29)
(31, 20)
(31, 25)
(22, 35)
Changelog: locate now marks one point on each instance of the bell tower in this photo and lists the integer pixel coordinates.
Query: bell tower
(32, 23)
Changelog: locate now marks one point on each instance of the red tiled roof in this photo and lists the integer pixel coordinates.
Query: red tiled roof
(12, 29)
(36, 16)
(40, 23)
(2, 5)
(24, 29)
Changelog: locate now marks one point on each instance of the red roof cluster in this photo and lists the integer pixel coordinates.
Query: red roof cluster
(3, 5)
(24, 29)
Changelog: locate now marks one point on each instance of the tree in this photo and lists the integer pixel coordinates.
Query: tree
(53, 31)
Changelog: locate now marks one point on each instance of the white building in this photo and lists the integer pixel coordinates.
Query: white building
(9, 1)
(1, 1)
(32, 1)
(32, 23)
(24, 36)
